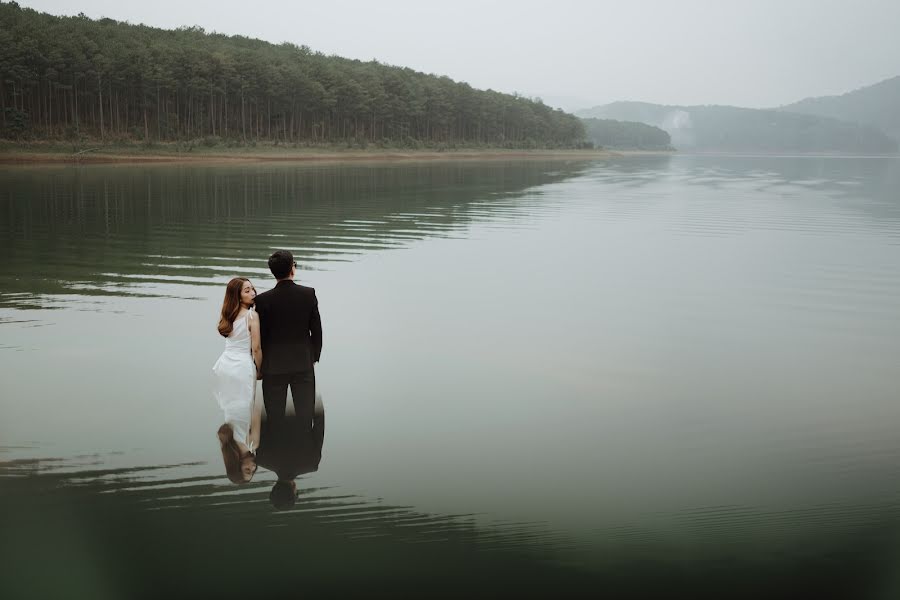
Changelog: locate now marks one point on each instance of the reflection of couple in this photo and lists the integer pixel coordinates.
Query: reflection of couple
(276, 337)
(291, 449)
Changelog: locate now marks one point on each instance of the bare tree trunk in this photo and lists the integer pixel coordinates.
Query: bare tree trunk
(75, 102)
(3, 102)
(100, 91)
(168, 124)
(43, 100)
(225, 107)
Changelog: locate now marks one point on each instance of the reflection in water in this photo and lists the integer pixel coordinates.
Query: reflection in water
(870, 186)
(289, 448)
(143, 231)
(715, 338)
(173, 531)
(147, 532)
(240, 463)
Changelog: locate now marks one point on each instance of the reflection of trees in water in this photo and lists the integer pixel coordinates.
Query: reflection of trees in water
(102, 230)
(140, 230)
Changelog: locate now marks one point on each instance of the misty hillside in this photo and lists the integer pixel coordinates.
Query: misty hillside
(732, 129)
(877, 105)
(625, 135)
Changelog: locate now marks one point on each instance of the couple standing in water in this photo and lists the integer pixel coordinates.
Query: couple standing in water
(276, 337)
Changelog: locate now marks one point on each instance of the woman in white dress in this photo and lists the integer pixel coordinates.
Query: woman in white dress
(235, 380)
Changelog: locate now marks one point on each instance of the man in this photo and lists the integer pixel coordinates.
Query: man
(289, 451)
(291, 337)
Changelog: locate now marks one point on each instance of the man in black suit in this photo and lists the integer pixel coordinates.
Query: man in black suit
(291, 337)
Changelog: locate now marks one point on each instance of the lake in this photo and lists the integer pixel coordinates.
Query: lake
(645, 376)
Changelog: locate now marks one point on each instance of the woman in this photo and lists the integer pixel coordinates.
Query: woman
(235, 380)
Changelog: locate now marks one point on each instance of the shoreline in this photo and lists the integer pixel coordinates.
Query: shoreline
(36, 155)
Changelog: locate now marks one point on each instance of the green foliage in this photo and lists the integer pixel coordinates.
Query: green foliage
(112, 79)
(16, 123)
(626, 135)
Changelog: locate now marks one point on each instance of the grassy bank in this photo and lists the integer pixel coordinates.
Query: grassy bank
(98, 152)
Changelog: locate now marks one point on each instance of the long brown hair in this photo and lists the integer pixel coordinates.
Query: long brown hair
(231, 306)
(231, 454)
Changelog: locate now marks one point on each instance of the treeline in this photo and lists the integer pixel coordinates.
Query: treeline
(625, 135)
(74, 76)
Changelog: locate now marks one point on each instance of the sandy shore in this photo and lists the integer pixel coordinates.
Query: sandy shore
(35, 156)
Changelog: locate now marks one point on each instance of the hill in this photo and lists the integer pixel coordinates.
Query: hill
(733, 129)
(70, 77)
(625, 135)
(877, 105)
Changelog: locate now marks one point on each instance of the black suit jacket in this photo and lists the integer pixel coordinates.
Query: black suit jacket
(290, 328)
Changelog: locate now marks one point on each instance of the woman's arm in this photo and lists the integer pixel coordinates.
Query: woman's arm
(255, 346)
(255, 422)
(256, 409)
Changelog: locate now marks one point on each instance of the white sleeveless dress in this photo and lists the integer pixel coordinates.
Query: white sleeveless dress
(235, 379)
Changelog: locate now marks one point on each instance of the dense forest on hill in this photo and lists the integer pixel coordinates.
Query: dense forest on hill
(877, 105)
(73, 77)
(626, 135)
(733, 129)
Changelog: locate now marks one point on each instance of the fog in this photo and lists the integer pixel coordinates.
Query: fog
(574, 54)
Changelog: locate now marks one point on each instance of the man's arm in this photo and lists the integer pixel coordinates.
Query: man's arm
(315, 329)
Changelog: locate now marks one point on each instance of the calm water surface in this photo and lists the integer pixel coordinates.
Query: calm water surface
(655, 376)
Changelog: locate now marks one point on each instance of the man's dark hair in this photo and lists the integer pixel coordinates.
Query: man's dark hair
(282, 495)
(280, 263)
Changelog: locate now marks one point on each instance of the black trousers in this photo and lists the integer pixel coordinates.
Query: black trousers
(303, 391)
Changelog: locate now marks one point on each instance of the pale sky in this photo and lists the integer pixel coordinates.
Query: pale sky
(573, 54)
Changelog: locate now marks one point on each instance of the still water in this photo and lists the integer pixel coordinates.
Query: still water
(644, 376)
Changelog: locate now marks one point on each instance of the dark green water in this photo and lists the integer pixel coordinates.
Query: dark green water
(648, 377)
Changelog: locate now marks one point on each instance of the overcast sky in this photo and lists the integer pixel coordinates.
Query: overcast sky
(574, 53)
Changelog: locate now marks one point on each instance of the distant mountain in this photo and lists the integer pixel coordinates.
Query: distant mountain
(877, 105)
(626, 135)
(732, 129)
